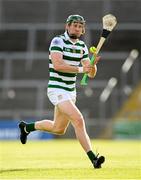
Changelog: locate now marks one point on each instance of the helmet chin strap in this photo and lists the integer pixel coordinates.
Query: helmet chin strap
(72, 36)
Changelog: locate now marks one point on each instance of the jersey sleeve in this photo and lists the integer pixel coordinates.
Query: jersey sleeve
(56, 45)
(85, 53)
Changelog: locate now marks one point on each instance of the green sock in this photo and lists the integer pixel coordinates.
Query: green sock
(30, 127)
(91, 156)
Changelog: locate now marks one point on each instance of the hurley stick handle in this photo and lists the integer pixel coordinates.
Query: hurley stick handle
(84, 80)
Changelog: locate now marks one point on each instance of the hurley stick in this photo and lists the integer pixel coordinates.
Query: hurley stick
(109, 22)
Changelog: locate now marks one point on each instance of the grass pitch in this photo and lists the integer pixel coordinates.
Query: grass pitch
(65, 159)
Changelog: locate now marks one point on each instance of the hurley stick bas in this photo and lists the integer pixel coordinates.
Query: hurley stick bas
(109, 21)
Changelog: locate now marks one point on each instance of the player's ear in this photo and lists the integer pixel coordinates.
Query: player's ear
(83, 31)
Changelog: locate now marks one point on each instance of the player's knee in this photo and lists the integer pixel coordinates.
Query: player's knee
(79, 122)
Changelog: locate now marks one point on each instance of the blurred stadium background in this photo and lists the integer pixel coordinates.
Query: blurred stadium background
(111, 104)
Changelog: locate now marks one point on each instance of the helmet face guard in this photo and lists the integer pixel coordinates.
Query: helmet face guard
(75, 19)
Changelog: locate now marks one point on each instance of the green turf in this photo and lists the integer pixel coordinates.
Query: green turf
(64, 159)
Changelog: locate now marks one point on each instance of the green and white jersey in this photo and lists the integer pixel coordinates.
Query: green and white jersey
(73, 54)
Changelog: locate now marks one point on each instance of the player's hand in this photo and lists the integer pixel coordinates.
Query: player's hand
(93, 72)
(87, 68)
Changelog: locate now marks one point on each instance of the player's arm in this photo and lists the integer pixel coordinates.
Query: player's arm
(60, 65)
(56, 56)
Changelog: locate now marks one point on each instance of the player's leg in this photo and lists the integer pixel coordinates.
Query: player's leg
(57, 126)
(72, 112)
(77, 120)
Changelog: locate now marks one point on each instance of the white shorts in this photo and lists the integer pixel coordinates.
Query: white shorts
(57, 96)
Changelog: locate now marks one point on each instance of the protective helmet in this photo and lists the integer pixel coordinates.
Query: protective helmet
(75, 18)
